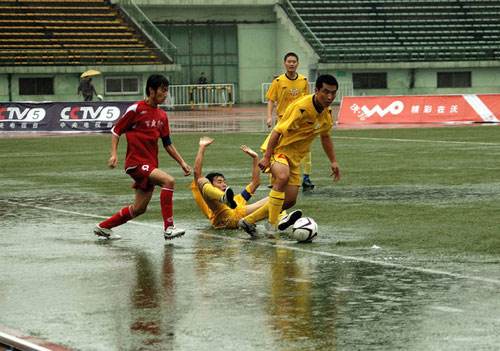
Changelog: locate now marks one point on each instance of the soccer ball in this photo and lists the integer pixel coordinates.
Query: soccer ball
(305, 229)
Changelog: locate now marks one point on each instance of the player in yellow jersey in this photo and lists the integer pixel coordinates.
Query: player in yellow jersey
(284, 90)
(289, 142)
(217, 200)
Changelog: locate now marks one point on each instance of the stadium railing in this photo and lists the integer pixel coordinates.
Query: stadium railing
(199, 95)
(287, 6)
(135, 14)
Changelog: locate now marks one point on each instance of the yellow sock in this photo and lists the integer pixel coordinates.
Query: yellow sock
(211, 193)
(276, 199)
(259, 214)
(282, 215)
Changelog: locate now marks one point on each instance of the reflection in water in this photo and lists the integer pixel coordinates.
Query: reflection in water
(292, 309)
(208, 249)
(152, 321)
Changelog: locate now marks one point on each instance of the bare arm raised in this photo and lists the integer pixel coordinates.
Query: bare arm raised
(254, 184)
(198, 162)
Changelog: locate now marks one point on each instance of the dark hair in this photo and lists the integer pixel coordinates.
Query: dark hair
(155, 81)
(326, 78)
(291, 54)
(211, 176)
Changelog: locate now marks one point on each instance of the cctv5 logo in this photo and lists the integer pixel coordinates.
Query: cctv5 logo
(22, 114)
(80, 113)
(363, 112)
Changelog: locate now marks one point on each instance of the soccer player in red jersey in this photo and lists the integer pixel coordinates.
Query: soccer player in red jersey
(143, 124)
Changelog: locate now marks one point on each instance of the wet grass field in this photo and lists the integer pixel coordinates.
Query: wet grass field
(408, 253)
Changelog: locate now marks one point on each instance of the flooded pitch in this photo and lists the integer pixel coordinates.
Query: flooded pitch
(215, 290)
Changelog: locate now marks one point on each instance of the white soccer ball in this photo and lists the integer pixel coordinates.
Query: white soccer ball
(305, 229)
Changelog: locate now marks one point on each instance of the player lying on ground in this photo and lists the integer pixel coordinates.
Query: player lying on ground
(143, 124)
(288, 143)
(217, 200)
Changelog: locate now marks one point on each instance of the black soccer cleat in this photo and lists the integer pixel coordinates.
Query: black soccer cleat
(289, 219)
(307, 185)
(228, 198)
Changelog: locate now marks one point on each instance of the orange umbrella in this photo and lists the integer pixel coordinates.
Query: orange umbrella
(90, 73)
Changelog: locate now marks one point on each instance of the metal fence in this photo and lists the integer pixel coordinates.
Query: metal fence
(149, 29)
(193, 95)
(345, 89)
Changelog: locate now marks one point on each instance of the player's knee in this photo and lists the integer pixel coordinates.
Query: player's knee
(168, 183)
(281, 181)
(281, 177)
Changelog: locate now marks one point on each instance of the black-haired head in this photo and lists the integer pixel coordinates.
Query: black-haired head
(156, 81)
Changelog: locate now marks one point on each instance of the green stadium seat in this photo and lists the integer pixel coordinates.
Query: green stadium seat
(400, 30)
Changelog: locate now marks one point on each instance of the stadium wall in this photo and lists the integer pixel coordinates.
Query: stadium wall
(399, 77)
(66, 80)
(263, 38)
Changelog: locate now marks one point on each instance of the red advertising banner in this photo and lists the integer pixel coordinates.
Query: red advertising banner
(419, 109)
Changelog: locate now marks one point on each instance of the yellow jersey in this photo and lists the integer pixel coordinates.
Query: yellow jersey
(219, 214)
(284, 91)
(298, 127)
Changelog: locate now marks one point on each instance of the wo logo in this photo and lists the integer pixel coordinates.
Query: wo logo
(363, 112)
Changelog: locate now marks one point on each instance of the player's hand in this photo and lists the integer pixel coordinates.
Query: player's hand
(113, 161)
(335, 171)
(205, 141)
(186, 168)
(269, 122)
(264, 164)
(248, 151)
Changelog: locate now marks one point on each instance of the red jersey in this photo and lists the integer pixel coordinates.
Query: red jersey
(143, 125)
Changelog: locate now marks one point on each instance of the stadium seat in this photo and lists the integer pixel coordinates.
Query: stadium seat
(401, 30)
(71, 32)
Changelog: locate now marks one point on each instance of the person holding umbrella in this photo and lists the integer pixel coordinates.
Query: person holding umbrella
(86, 88)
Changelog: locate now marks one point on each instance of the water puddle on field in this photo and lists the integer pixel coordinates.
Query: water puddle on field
(212, 290)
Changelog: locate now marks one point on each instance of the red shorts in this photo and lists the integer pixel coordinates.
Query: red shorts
(140, 175)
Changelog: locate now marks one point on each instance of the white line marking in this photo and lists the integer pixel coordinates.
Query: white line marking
(43, 154)
(419, 140)
(287, 247)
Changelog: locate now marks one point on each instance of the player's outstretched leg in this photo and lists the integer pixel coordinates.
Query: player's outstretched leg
(103, 229)
(289, 219)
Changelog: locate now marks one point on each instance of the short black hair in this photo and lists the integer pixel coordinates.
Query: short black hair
(328, 79)
(291, 54)
(155, 81)
(211, 176)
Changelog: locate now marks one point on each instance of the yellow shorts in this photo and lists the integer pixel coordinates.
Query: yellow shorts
(228, 219)
(223, 217)
(294, 167)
